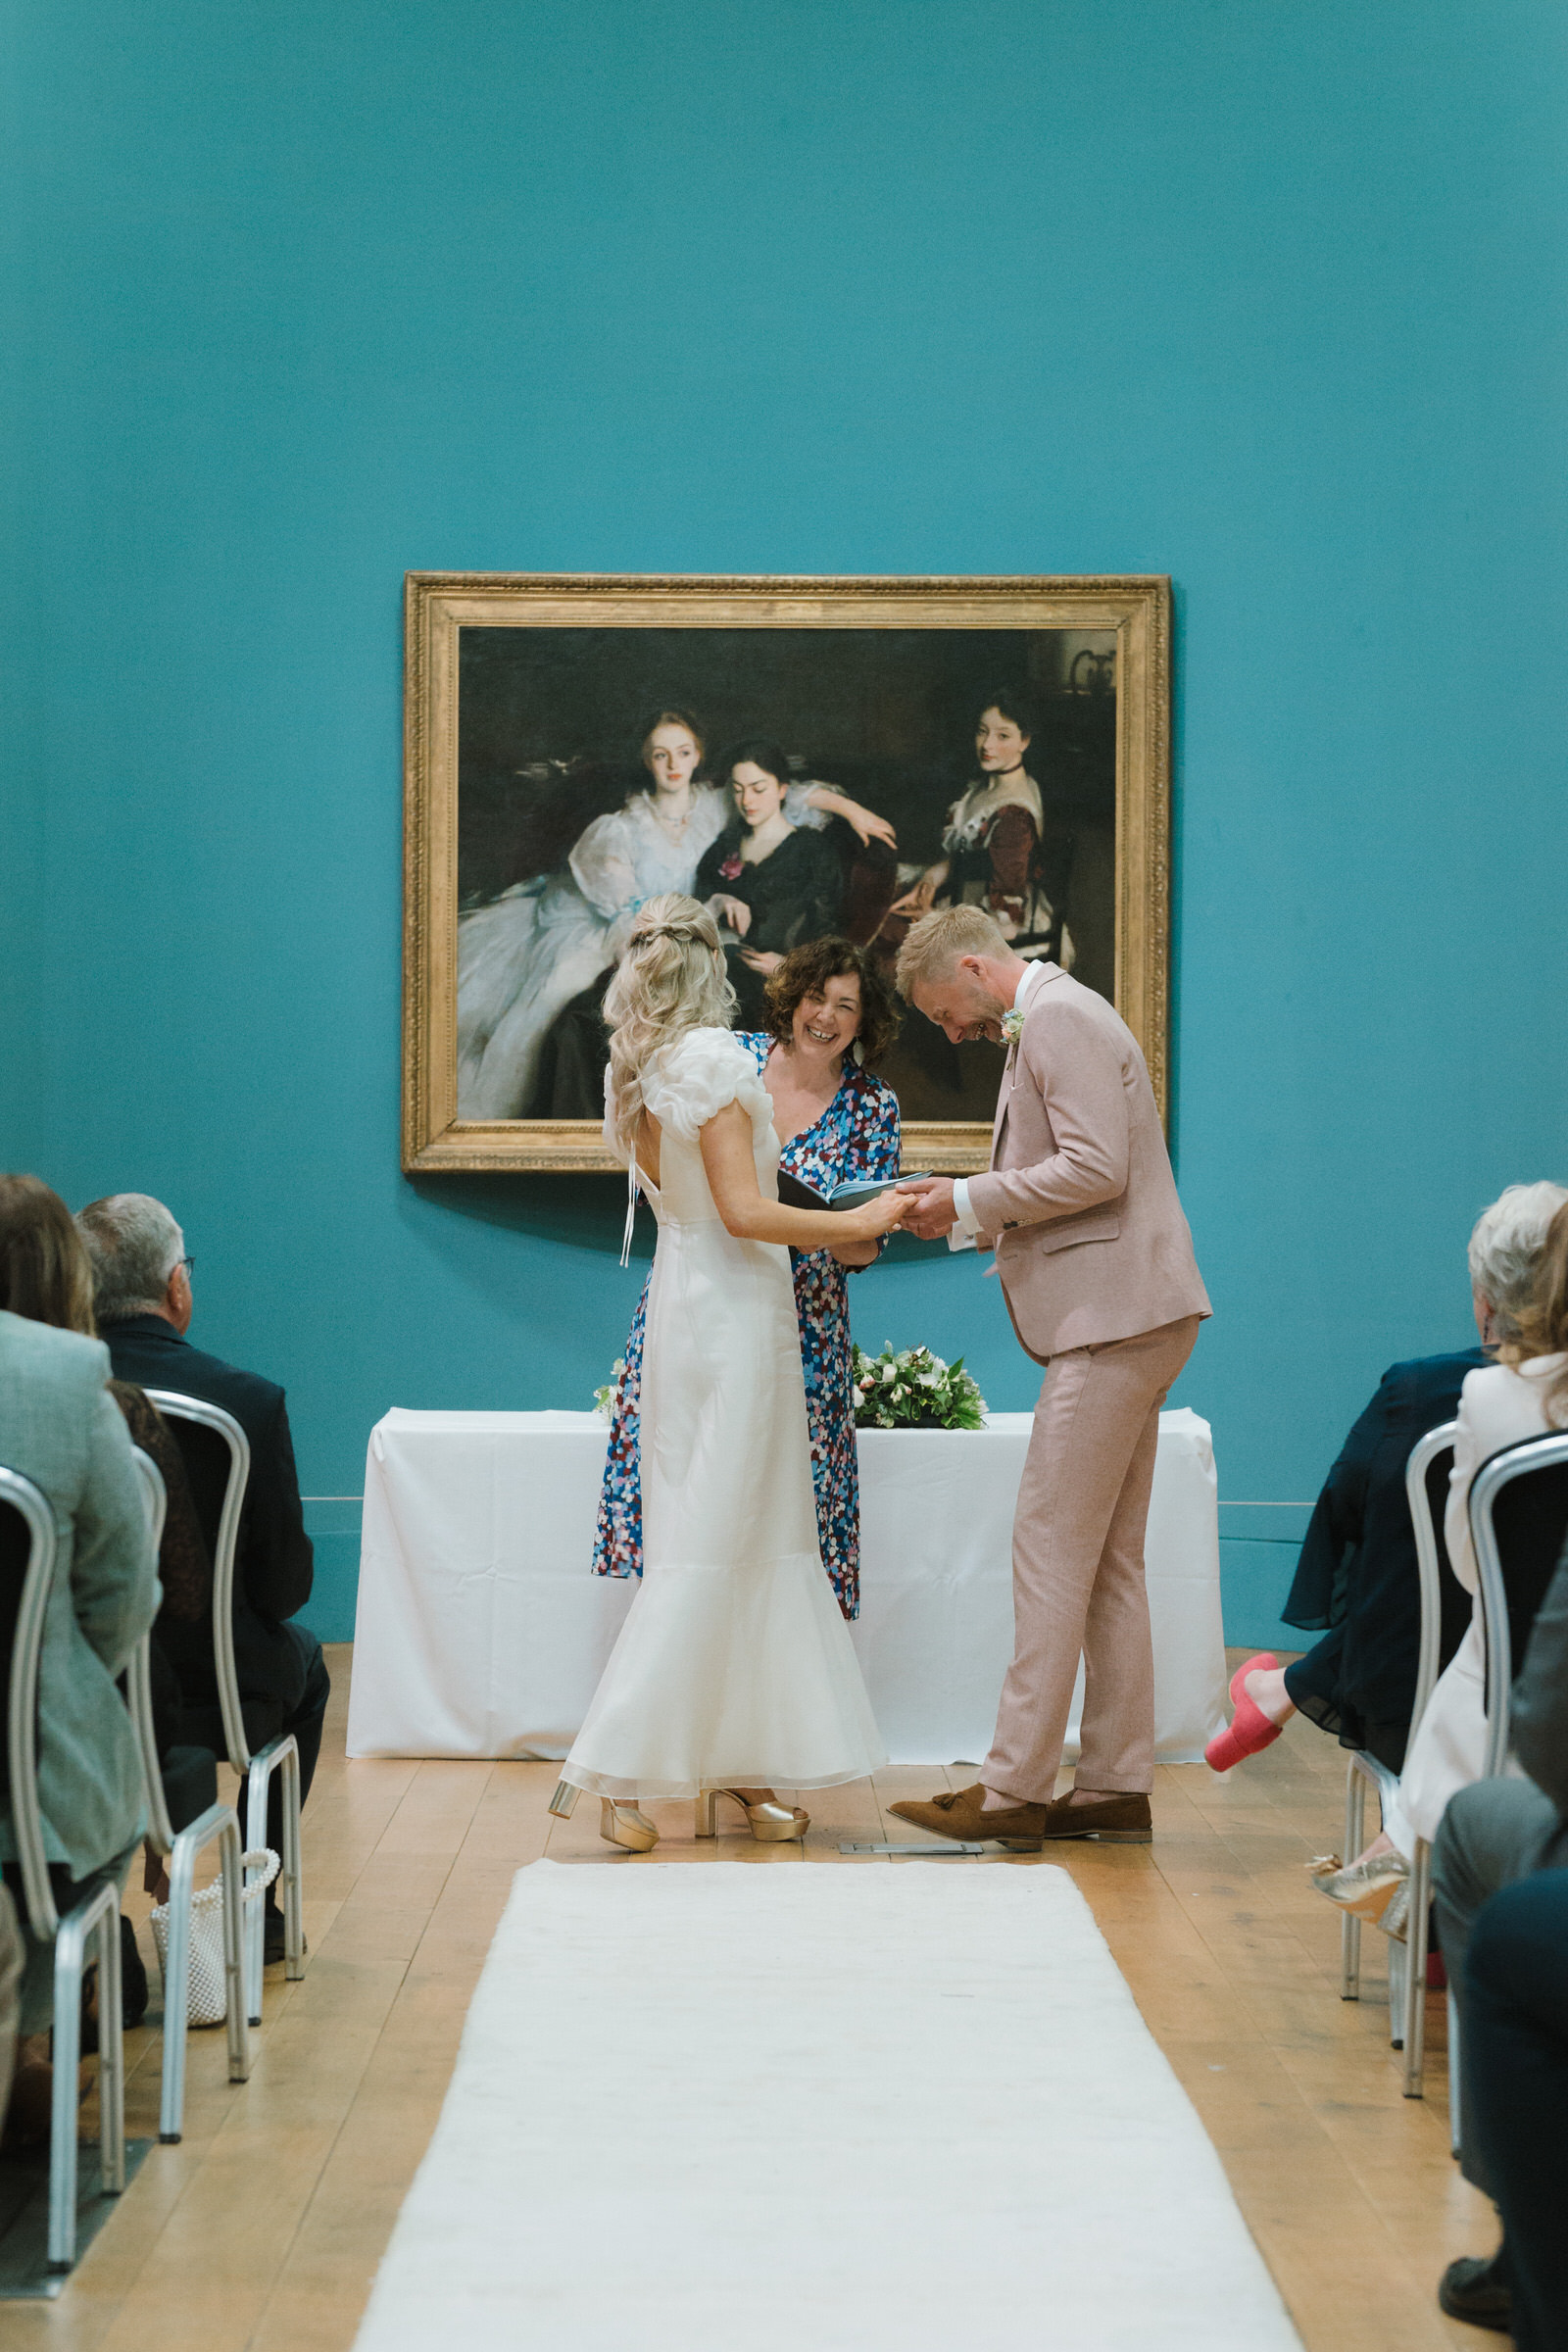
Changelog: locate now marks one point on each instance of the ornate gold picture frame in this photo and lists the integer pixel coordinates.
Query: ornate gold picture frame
(526, 719)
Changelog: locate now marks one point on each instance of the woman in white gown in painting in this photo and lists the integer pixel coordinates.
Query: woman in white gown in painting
(525, 956)
(734, 1669)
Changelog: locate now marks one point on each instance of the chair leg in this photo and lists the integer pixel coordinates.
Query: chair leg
(1415, 1981)
(219, 1822)
(111, 2052)
(98, 1916)
(233, 1879)
(69, 1943)
(1399, 1973)
(1351, 1927)
(293, 1874)
(280, 1756)
(176, 1988)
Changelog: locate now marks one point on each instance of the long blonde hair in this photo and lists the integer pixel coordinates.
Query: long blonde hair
(671, 978)
(1542, 1322)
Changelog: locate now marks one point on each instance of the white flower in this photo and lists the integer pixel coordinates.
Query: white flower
(1011, 1027)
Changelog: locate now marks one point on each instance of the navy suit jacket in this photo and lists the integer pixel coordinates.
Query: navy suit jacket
(274, 1566)
(1356, 1577)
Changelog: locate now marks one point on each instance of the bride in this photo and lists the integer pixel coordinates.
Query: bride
(734, 1668)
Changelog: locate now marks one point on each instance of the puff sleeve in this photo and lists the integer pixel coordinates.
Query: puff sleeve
(698, 1077)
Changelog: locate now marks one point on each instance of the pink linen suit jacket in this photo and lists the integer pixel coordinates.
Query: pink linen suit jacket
(1091, 1241)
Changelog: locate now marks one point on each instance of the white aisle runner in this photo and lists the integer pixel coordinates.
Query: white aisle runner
(814, 2108)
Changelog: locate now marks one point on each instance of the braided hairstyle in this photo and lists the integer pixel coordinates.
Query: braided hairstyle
(671, 978)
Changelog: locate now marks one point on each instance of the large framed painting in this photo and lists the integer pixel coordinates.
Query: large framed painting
(572, 747)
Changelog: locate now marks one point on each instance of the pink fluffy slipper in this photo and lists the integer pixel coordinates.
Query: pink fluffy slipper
(1251, 1730)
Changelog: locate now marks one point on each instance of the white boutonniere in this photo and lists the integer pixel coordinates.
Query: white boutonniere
(1011, 1027)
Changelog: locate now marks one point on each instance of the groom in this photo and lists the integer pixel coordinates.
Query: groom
(1098, 1269)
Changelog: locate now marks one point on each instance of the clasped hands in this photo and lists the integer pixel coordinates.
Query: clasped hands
(931, 1212)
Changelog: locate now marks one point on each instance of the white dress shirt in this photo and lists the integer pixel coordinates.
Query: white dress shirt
(969, 1224)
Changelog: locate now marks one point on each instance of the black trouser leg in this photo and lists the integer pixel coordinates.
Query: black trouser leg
(306, 1725)
(1516, 2084)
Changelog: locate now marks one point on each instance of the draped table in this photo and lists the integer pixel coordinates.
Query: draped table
(481, 1630)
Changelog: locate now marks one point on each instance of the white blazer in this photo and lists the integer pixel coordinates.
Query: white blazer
(1498, 1405)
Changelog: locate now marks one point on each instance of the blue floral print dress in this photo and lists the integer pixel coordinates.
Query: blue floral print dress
(855, 1139)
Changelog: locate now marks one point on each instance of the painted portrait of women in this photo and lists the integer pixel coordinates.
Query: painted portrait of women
(525, 958)
(809, 759)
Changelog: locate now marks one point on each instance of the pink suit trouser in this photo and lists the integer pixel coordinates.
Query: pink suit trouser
(1078, 1570)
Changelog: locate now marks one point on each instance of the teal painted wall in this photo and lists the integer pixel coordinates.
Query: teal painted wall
(1271, 299)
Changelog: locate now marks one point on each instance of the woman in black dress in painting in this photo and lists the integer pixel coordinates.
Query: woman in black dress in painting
(770, 884)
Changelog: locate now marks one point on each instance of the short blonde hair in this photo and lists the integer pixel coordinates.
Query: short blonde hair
(1505, 1251)
(933, 945)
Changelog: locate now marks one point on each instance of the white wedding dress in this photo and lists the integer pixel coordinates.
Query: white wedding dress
(734, 1667)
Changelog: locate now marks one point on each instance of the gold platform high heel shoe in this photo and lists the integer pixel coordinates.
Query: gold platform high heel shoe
(619, 1824)
(623, 1825)
(769, 1824)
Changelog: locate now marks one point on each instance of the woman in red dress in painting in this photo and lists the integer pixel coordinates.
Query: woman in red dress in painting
(992, 841)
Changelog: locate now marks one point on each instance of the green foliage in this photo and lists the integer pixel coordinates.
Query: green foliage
(914, 1390)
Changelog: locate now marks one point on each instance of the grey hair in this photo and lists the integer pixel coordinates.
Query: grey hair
(933, 946)
(135, 1245)
(1506, 1250)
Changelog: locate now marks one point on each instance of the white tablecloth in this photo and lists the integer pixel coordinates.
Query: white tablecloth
(481, 1630)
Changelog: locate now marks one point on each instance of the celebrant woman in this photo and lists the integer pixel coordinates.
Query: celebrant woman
(829, 1017)
(734, 1669)
(524, 958)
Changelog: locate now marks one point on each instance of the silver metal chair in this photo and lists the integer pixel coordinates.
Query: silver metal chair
(181, 1849)
(95, 1918)
(1407, 1962)
(1435, 1451)
(280, 1755)
(1510, 1596)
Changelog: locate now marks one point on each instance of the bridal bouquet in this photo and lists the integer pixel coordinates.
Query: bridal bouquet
(914, 1390)
(604, 1398)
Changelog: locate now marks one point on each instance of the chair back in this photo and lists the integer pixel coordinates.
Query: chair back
(21, 1499)
(189, 1415)
(1518, 1521)
(138, 1673)
(1444, 1602)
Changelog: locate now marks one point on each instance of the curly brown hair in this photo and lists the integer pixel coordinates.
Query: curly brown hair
(805, 972)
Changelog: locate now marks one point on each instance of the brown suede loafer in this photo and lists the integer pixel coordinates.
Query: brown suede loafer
(958, 1814)
(1113, 1820)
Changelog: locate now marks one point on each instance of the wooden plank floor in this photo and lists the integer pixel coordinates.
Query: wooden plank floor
(264, 2228)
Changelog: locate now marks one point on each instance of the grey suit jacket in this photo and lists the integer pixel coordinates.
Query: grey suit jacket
(60, 1427)
(1091, 1241)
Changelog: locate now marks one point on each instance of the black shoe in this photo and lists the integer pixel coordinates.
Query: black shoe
(1477, 2290)
(272, 1935)
(132, 1976)
(133, 1993)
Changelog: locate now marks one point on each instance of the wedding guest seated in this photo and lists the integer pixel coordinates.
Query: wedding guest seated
(1357, 1581)
(1521, 1397)
(142, 1292)
(1508, 1962)
(51, 1281)
(59, 1428)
